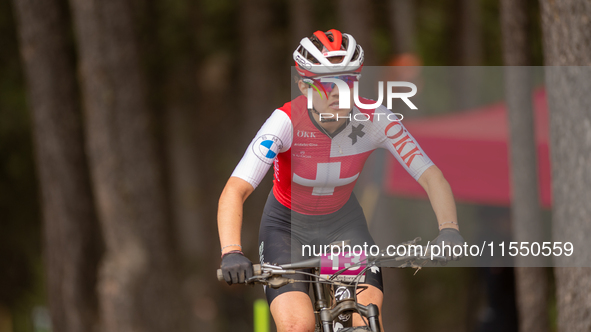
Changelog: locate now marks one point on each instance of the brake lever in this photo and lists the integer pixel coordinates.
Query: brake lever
(258, 278)
(277, 282)
(412, 242)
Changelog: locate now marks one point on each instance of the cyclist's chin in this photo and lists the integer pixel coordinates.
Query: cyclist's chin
(334, 109)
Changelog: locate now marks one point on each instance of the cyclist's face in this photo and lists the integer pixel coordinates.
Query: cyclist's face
(326, 95)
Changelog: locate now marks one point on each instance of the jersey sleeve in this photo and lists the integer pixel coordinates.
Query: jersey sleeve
(396, 139)
(274, 137)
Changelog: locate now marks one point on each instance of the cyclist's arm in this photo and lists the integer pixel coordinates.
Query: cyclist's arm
(274, 137)
(415, 161)
(230, 205)
(440, 196)
(395, 138)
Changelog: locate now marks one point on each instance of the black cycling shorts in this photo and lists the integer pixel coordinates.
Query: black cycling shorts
(283, 232)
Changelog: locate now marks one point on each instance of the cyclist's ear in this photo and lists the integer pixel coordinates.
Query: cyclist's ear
(303, 87)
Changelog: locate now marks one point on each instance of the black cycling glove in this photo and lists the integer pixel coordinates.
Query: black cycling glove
(449, 237)
(236, 268)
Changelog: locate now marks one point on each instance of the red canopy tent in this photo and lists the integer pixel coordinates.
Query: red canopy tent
(470, 148)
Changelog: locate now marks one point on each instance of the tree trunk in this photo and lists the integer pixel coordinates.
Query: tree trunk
(402, 25)
(467, 51)
(469, 44)
(187, 81)
(300, 21)
(355, 17)
(5, 319)
(566, 28)
(257, 64)
(138, 282)
(72, 241)
(531, 282)
(258, 86)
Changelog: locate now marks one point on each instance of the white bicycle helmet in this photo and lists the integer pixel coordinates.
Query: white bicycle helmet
(312, 56)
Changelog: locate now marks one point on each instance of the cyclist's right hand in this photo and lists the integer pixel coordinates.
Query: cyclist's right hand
(236, 268)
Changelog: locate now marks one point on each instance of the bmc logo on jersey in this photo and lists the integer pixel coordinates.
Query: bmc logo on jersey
(266, 147)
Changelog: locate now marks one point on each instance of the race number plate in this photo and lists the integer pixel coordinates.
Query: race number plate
(330, 264)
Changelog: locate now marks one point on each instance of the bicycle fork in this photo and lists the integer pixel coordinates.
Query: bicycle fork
(371, 311)
(345, 304)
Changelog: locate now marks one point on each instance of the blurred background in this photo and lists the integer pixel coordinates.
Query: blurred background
(120, 122)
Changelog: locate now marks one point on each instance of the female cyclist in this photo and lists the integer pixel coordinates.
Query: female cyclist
(317, 154)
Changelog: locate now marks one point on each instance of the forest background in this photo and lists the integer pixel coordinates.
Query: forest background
(121, 120)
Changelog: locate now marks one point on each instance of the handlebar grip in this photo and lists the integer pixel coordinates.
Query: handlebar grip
(256, 268)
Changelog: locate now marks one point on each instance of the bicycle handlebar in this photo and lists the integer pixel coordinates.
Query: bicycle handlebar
(255, 267)
(315, 262)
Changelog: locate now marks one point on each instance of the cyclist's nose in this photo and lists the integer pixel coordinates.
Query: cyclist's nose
(334, 92)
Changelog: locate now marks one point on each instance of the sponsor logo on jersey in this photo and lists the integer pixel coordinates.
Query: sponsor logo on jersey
(301, 154)
(401, 140)
(266, 147)
(276, 170)
(356, 131)
(309, 134)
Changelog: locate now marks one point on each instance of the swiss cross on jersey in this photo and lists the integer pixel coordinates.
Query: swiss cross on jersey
(323, 168)
(328, 177)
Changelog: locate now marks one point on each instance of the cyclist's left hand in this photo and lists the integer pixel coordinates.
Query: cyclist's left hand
(451, 237)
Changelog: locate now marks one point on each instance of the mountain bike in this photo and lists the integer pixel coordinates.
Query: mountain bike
(335, 280)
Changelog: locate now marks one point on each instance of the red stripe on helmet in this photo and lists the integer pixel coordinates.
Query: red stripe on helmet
(338, 38)
(335, 45)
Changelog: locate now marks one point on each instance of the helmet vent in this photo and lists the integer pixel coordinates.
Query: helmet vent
(356, 54)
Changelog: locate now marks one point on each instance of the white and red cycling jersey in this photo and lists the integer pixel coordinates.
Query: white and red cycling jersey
(314, 172)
